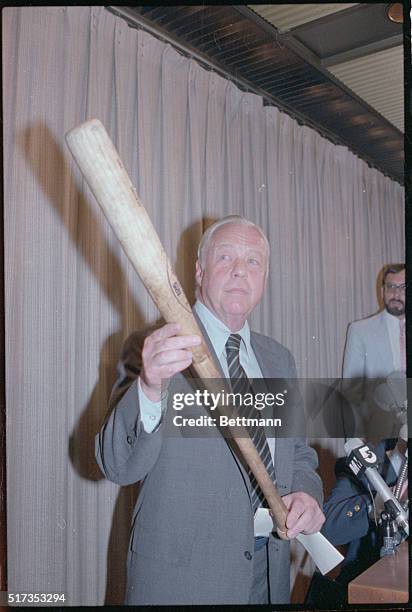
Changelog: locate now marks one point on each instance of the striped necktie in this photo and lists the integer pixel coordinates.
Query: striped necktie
(240, 384)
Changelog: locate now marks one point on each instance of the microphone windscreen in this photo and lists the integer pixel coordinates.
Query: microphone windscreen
(391, 395)
(351, 444)
(404, 432)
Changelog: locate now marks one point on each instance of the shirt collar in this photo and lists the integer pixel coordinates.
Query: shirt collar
(217, 331)
(391, 318)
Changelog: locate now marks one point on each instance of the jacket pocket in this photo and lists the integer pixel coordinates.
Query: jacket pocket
(167, 544)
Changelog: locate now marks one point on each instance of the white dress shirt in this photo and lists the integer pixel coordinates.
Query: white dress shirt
(218, 332)
(392, 325)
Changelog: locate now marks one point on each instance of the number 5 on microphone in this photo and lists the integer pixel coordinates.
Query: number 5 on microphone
(368, 455)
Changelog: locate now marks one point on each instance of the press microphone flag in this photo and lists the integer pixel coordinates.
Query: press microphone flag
(362, 460)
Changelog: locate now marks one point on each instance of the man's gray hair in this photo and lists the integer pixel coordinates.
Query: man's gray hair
(207, 236)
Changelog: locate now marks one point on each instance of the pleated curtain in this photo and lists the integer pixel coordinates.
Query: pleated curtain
(196, 148)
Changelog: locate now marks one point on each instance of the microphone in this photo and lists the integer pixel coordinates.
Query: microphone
(362, 460)
(391, 395)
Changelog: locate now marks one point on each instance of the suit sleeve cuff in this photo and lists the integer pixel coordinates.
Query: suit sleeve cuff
(150, 412)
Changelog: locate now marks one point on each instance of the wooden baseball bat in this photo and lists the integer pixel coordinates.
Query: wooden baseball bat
(106, 176)
(103, 170)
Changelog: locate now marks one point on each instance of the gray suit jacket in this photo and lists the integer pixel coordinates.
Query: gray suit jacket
(368, 360)
(192, 538)
(368, 352)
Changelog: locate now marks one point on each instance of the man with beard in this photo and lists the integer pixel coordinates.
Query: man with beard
(374, 355)
(375, 349)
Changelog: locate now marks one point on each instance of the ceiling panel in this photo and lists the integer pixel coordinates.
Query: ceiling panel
(361, 47)
(288, 16)
(378, 79)
(359, 31)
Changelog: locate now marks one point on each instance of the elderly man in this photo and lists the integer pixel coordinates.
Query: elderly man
(199, 533)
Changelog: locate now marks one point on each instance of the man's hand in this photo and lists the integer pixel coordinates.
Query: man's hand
(164, 355)
(304, 515)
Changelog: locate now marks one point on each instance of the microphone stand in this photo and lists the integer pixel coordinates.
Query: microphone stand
(391, 535)
(402, 476)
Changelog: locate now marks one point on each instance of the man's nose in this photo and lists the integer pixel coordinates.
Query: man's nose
(239, 268)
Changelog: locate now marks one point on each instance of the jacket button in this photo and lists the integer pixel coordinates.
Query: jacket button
(248, 555)
(129, 440)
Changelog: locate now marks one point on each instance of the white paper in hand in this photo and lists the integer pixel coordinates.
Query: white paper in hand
(324, 554)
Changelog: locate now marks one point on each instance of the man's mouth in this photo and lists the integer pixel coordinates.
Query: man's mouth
(236, 290)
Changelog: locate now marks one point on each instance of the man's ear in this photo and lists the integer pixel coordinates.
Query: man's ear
(199, 273)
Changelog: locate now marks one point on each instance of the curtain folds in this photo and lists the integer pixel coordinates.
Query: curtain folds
(196, 148)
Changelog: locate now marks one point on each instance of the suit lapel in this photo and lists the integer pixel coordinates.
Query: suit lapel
(268, 360)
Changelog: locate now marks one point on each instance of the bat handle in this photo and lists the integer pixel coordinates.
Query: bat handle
(276, 505)
(277, 511)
